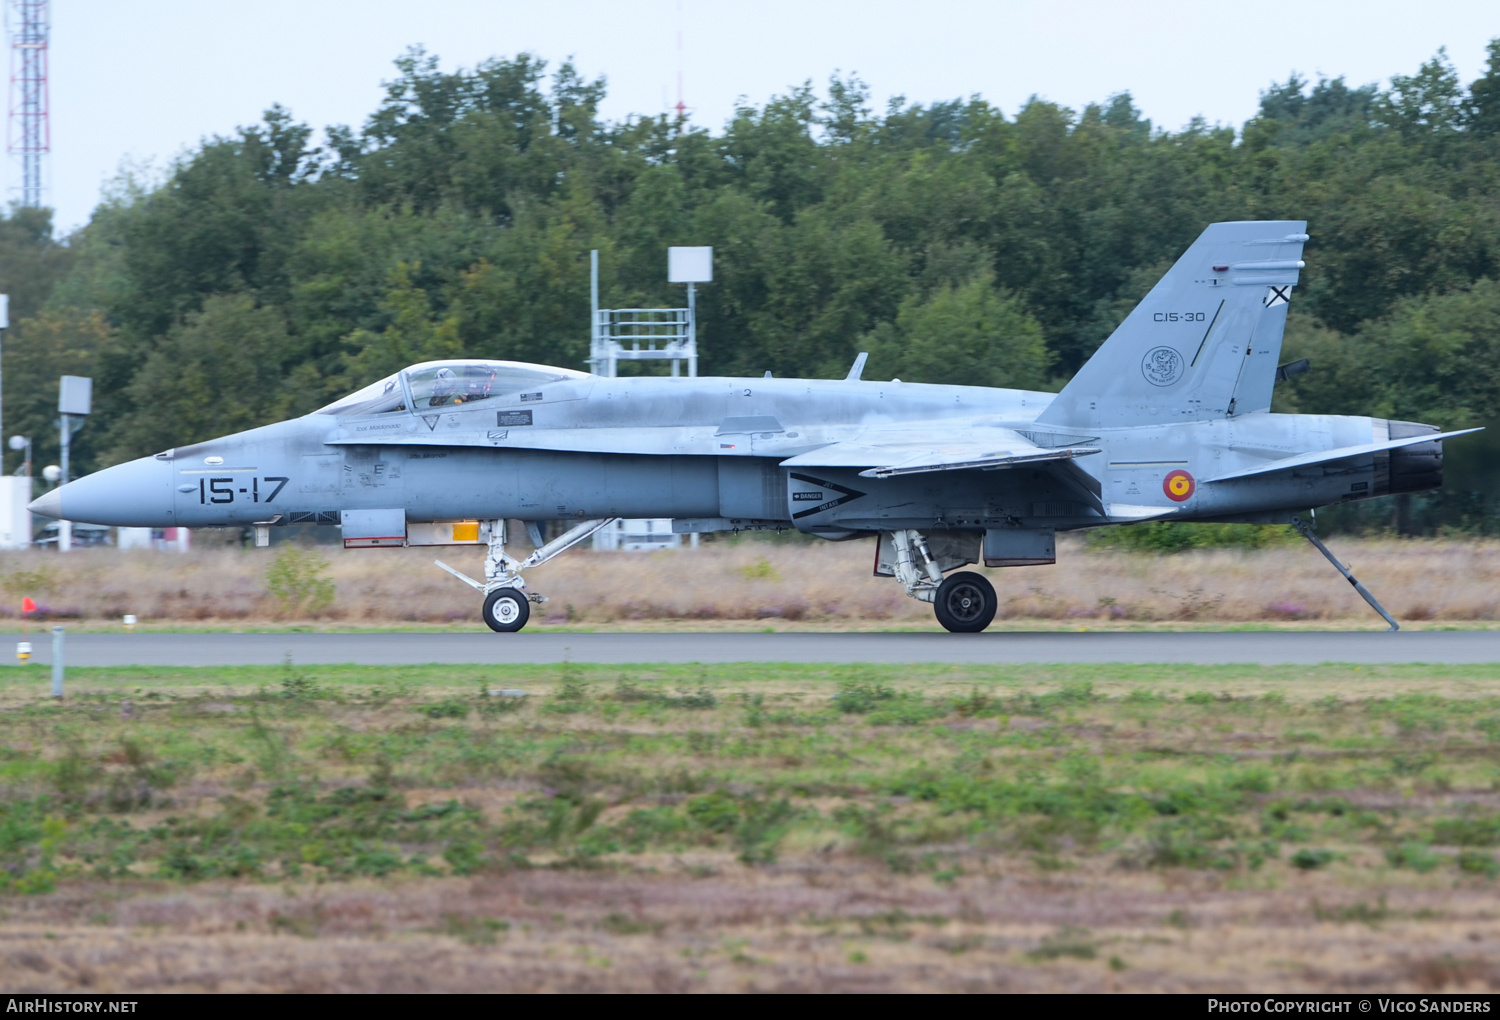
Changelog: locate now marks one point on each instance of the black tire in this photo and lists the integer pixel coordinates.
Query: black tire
(965, 603)
(506, 610)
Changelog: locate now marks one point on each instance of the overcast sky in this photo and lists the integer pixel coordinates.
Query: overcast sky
(147, 80)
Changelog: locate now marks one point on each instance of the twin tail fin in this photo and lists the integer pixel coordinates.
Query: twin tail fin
(1203, 344)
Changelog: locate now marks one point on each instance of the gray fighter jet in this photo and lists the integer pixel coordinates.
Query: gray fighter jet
(1170, 420)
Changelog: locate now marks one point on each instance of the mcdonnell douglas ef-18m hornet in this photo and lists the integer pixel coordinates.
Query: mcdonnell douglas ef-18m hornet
(1170, 420)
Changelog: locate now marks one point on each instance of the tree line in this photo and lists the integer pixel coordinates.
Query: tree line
(269, 271)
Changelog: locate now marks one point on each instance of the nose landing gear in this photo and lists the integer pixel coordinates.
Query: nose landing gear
(507, 604)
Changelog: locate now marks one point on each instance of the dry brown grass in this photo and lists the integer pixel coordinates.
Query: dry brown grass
(712, 924)
(784, 585)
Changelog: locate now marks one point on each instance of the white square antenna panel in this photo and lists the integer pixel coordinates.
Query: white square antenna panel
(690, 265)
(75, 394)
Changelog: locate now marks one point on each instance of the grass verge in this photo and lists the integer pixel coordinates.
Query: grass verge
(940, 798)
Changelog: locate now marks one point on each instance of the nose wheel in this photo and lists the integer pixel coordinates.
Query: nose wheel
(507, 605)
(965, 603)
(506, 610)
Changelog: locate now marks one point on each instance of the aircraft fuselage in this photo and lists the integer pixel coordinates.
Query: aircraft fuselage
(491, 460)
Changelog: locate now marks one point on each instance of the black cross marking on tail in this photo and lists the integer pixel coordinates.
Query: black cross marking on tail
(1279, 295)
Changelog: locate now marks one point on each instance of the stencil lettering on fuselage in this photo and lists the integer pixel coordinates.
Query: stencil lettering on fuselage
(319, 472)
(846, 494)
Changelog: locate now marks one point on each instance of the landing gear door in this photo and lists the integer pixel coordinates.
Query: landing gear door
(1020, 547)
(365, 529)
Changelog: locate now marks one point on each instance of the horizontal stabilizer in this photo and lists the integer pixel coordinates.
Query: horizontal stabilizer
(940, 460)
(1341, 453)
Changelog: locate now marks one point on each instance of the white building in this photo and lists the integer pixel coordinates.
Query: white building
(15, 519)
(174, 539)
(645, 534)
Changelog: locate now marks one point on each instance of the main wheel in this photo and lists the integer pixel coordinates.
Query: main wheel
(506, 610)
(965, 602)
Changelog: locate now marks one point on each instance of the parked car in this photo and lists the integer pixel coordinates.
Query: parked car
(83, 535)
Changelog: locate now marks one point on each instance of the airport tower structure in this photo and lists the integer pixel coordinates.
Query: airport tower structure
(29, 137)
(648, 334)
(29, 140)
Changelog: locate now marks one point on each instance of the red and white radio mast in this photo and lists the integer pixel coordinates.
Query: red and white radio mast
(681, 105)
(30, 132)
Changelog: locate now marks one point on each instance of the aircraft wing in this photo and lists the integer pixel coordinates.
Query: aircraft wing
(1341, 453)
(886, 451)
(654, 441)
(898, 453)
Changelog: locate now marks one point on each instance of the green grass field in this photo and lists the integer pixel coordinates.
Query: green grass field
(909, 827)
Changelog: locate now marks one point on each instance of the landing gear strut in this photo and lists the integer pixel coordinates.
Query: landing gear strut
(507, 604)
(963, 603)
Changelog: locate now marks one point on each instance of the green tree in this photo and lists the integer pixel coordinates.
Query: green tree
(1482, 109)
(31, 261)
(966, 335)
(218, 371)
(1436, 359)
(415, 333)
(37, 351)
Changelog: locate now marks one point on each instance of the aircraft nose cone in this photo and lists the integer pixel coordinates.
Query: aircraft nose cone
(48, 504)
(137, 494)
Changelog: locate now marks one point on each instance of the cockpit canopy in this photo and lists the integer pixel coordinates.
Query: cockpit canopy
(447, 384)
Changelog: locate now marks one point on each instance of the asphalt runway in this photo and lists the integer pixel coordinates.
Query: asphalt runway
(395, 649)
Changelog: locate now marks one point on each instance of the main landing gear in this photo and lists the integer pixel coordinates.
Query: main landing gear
(507, 604)
(964, 603)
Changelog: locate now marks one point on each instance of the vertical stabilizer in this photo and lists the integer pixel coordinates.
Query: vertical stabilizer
(1203, 344)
